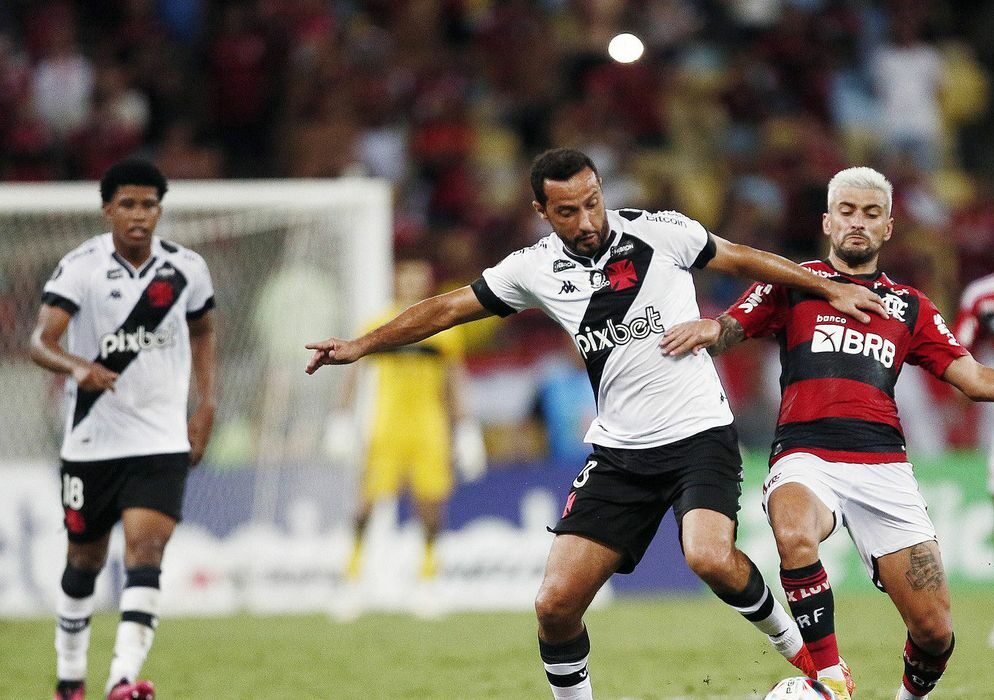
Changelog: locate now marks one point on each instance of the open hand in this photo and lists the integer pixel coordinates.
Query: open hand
(690, 336)
(851, 298)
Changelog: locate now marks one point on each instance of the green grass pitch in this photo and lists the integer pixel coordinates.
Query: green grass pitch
(646, 649)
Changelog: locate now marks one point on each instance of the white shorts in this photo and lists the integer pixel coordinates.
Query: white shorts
(879, 504)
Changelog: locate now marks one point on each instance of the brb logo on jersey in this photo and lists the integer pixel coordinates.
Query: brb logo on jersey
(614, 334)
(832, 337)
(141, 339)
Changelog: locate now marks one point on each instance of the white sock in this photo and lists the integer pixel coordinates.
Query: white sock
(778, 625)
(904, 694)
(72, 636)
(832, 673)
(139, 618)
(788, 643)
(580, 691)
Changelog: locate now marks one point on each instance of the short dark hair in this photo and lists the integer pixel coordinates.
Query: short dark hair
(131, 171)
(557, 164)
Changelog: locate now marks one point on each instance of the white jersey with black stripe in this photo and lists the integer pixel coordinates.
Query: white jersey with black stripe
(616, 307)
(133, 321)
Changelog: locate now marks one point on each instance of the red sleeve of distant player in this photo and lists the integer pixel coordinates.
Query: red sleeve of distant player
(933, 346)
(761, 310)
(966, 327)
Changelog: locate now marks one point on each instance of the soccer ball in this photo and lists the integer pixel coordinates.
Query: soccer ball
(799, 688)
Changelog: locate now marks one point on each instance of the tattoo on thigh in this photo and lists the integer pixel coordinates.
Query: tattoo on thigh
(924, 568)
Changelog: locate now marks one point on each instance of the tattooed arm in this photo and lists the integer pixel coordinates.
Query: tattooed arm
(717, 335)
(731, 334)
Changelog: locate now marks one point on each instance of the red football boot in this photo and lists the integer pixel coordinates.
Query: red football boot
(139, 690)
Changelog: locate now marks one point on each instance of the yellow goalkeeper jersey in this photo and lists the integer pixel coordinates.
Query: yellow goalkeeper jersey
(410, 429)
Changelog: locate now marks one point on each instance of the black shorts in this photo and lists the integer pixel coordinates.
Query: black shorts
(95, 493)
(621, 495)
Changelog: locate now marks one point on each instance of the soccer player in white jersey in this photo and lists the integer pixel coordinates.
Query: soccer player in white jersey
(838, 454)
(137, 310)
(663, 435)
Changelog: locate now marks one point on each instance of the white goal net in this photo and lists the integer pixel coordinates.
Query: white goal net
(291, 261)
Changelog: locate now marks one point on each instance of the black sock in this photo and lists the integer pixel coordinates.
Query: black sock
(566, 664)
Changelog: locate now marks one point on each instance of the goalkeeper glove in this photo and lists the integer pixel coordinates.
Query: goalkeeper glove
(341, 438)
(468, 451)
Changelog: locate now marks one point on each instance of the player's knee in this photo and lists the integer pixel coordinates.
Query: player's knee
(85, 561)
(933, 633)
(795, 542)
(77, 582)
(712, 563)
(555, 608)
(146, 551)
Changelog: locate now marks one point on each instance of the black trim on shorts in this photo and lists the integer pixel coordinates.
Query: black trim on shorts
(875, 576)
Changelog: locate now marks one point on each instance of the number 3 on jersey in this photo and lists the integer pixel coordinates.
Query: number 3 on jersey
(584, 474)
(72, 492)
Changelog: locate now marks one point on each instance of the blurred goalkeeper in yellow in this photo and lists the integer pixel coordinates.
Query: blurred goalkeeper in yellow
(417, 422)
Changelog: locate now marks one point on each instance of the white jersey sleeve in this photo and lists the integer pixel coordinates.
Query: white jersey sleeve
(201, 298)
(67, 287)
(682, 239)
(511, 282)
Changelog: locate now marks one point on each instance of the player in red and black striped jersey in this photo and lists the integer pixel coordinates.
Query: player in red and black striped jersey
(838, 376)
(838, 455)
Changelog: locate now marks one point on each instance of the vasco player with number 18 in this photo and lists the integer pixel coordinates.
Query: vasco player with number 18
(138, 314)
(663, 436)
(838, 453)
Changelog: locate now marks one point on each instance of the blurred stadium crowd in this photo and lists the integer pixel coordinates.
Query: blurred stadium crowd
(738, 114)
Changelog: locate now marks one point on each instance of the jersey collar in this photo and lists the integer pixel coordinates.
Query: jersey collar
(128, 267)
(874, 276)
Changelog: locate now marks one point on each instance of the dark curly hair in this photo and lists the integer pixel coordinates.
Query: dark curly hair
(131, 171)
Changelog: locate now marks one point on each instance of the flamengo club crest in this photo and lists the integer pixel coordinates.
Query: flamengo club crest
(622, 275)
(895, 305)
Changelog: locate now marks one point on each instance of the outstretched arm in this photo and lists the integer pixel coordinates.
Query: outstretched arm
(975, 380)
(415, 323)
(717, 335)
(759, 265)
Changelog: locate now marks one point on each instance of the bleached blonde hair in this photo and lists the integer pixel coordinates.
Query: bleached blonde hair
(863, 178)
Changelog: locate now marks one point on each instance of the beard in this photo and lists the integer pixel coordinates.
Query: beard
(856, 257)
